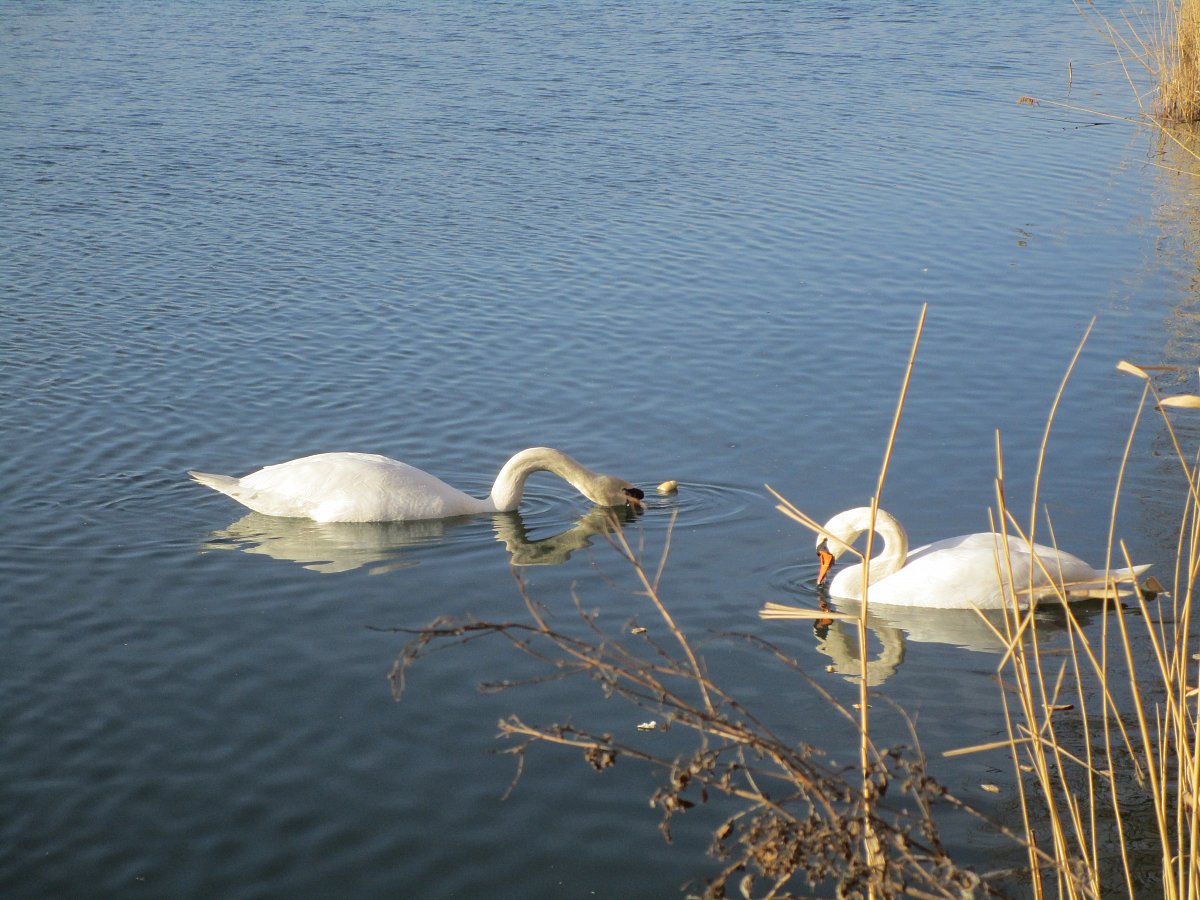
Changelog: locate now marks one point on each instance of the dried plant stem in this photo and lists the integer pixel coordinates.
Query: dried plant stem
(1160, 747)
(1164, 44)
(864, 705)
(813, 822)
(1134, 732)
(1178, 61)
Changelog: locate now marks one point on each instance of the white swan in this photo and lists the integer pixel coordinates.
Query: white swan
(365, 487)
(969, 570)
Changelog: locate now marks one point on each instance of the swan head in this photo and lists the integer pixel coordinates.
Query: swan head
(825, 558)
(603, 490)
(837, 535)
(608, 490)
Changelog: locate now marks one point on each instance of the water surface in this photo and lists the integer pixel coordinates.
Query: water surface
(675, 241)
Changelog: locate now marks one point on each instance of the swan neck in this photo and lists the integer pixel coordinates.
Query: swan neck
(893, 553)
(509, 486)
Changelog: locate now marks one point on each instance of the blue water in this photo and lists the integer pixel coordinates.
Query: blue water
(676, 241)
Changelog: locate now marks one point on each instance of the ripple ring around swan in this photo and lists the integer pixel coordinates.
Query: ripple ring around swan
(698, 503)
(701, 503)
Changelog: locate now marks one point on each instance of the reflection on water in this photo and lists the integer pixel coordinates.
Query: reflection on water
(550, 551)
(838, 639)
(894, 627)
(331, 547)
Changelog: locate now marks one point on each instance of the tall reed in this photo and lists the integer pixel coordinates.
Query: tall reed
(1104, 737)
(1178, 63)
(1109, 730)
(790, 821)
(1163, 45)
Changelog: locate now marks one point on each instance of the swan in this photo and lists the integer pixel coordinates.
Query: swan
(366, 487)
(968, 570)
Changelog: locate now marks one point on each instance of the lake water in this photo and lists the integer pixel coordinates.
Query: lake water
(677, 241)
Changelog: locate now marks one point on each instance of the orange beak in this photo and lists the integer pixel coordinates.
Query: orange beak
(826, 560)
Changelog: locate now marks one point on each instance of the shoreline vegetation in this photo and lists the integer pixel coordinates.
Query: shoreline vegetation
(1103, 734)
(1159, 51)
(1177, 61)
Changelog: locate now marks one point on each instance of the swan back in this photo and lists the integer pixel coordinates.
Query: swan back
(346, 487)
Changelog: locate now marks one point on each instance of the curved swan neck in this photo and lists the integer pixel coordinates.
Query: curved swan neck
(510, 483)
(846, 527)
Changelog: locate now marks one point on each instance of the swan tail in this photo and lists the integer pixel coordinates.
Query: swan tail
(1129, 574)
(1105, 587)
(1125, 576)
(223, 483)
(266, 502)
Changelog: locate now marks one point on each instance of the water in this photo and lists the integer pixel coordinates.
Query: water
(675, 241)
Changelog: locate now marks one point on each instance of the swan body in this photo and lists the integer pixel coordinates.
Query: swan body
(366, 487)
(969, 570)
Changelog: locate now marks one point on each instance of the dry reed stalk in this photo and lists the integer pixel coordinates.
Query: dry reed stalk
(871, 847)
(1076, 796)
(799, 817)
(817, 823)
(866, 763)
(1178, 61)
(1159, 52)
(1164, 44)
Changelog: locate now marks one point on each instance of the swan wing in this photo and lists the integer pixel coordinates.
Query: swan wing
(972, 570)
(956, 572)
(351, 487)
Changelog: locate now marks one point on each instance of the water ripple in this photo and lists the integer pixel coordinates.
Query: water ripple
(699, 504)
(444, 232)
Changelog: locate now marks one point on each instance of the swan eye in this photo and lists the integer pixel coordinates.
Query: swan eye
(635, 493)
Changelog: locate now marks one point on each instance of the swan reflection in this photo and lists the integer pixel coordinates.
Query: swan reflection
(331, 547)
(895, 627)
(550, 551)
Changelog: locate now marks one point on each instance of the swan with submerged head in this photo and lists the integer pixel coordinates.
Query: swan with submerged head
(968, 570)
(366, 487)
